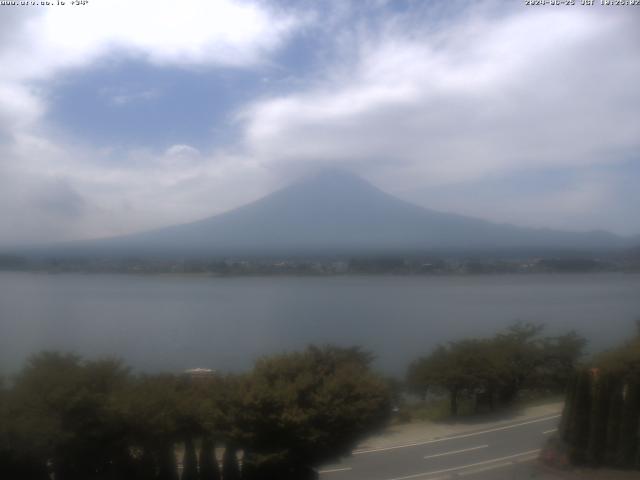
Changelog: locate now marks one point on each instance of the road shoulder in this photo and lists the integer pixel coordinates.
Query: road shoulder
(396, 436)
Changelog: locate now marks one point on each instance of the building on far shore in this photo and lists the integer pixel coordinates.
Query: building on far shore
(199, 373)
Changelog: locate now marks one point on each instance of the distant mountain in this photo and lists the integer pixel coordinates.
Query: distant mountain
(337, 212)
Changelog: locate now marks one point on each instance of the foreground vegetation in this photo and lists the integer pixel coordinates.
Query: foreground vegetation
(83, 420)
(484, 373)
(95, 420)
(601, 421)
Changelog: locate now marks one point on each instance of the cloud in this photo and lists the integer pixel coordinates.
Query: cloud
(20, 107)
(120, 96)
(480, 96)
(39, 43)
(51, 192)
(182, 151)
(52, 188)
(59, 199)
(590, 199)
(194, 32)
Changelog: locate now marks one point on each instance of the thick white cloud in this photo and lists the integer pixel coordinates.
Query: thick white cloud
(39, 42)
(190, 32)
(531, 89)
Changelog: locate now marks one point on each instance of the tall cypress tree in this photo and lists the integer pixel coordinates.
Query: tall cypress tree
(613, 421)
(209, 469)
(629, 426)
(189, 461)
(580, 421)
(569, 410)
(598, 421)
(230, 468)
(250, 467)
(167, 462)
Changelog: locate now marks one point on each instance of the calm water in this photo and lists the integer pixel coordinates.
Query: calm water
(155, 322)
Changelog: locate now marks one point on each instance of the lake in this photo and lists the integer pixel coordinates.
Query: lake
(176, 322)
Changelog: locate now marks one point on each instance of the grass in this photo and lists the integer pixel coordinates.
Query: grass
(438, 410)
(432, 410)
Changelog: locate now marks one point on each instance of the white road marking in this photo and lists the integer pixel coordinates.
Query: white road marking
(475, 471)
(333, 470)
(527, 459)
(455, 437)
(463, 467)
(456, 451)
(550, 431)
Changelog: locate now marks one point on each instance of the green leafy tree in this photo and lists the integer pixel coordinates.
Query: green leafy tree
(152, 408)
(558, 360)
(63, 415)
(498, 367)
(522, 353)
(302, 409)
(466, 368)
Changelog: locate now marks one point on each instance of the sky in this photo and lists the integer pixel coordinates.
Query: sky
(119, 116)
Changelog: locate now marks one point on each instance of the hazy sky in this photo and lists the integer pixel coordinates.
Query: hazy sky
(123, 115)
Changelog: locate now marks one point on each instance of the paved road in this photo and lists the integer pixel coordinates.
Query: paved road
(502, 452)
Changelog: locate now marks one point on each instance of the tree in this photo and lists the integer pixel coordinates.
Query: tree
(418, 378)
(437, 369)
(302, 409)
(464, 368)
(520, 347)
(602, 388)
(17, 460)
(230, 468)
(602, 410)
(151, 407)
(498, 367)
(209, 469)
(189, 461)
(558, 360)
(63, 413)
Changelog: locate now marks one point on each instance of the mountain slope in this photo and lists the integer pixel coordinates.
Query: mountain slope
(339, 212)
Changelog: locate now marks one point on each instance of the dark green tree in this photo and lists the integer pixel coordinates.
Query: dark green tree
(521, 350)
(153, 412)
(189, 460)
(230, 468)
(602, 411)
(559, 357)
(614, 418)
(209, 469)
(629, 425)
(63, 414)
(467, 368)
(302, 409)
(601, 393)
(580, 420)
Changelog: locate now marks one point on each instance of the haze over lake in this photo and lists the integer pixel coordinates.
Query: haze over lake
(170, 322)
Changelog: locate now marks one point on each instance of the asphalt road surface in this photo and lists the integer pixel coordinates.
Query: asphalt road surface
(503, 452)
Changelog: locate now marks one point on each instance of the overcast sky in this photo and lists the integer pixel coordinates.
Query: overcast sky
(121, 115)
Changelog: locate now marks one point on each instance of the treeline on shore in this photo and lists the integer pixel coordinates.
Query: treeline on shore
(375, 265)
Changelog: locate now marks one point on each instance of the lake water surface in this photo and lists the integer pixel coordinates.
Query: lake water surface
(173, 323)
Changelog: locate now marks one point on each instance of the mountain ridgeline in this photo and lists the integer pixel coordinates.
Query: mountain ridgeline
(339, 213)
